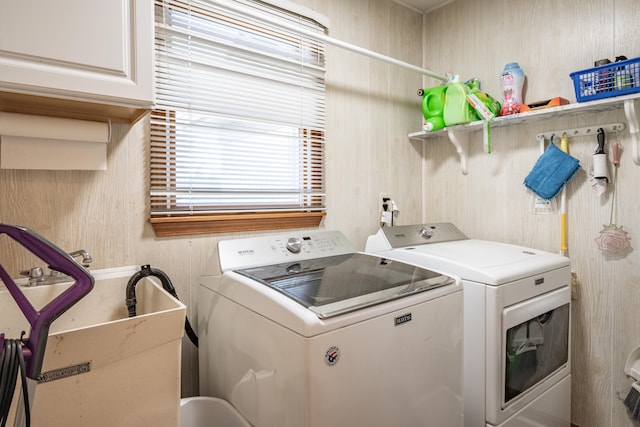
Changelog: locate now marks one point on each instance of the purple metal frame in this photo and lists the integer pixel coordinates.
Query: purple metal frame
(40, 321)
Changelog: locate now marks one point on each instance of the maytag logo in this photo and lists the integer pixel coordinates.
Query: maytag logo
(246, 252)
(69, 371)
(402, 319)
(539, 281)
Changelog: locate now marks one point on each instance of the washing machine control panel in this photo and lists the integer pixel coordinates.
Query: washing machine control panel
(426, 232)
(419, 234)
(266, 250)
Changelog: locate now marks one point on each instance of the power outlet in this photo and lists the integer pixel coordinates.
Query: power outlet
(384, 199)
(386, 210)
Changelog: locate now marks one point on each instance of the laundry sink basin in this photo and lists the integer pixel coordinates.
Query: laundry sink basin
(101, 367)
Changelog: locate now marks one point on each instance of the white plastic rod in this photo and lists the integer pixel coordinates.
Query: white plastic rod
(330, 40)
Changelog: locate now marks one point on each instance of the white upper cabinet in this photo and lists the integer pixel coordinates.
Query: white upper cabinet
(91, 56)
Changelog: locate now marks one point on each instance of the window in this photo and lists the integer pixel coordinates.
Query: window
(237, 136)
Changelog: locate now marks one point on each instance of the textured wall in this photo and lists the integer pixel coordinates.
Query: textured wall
(371, 107)
(549, 39)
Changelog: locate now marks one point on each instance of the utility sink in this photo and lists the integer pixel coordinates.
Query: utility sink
(102, 368)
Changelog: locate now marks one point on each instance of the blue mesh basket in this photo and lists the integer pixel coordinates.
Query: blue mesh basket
(606, 81)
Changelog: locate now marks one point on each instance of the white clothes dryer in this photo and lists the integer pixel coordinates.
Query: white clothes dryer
(517, 356)
(304, 331)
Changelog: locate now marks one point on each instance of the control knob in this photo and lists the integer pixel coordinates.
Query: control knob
(294, 245)
(426, 232)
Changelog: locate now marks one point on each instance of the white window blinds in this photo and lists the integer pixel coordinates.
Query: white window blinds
(239, 119)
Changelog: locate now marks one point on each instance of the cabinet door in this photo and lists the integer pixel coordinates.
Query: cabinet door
(99, 51)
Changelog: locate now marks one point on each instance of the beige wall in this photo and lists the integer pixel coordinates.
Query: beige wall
(372, 107)
(549, 39)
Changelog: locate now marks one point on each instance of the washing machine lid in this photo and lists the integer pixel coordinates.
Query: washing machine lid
(482, 261)
(443, 247)
(335, 285)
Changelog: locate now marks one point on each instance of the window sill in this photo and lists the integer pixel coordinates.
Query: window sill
(224, 223)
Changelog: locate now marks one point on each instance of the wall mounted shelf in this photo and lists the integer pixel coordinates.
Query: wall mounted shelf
(459, 135)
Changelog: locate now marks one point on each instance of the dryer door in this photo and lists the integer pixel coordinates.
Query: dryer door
(535, 351)
(536, 346)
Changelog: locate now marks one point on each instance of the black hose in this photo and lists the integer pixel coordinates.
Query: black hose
(12, 362)
(145, 271)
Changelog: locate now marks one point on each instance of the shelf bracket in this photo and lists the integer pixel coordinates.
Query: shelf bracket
(461, 141)
(634, 129)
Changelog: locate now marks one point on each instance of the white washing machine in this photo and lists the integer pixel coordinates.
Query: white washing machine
(304, 331)
(517, 368)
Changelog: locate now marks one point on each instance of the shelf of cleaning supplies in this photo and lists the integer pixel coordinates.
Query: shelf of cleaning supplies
(458, 135)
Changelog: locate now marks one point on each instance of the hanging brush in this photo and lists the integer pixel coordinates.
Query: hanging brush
(613, 239)
(632, 401)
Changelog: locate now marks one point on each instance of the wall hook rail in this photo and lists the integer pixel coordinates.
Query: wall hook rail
(586, 131)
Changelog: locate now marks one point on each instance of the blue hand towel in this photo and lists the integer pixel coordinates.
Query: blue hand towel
(551, 172)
